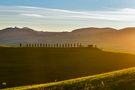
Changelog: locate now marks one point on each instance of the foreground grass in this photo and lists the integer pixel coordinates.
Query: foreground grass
(28, 66)
(117, 80)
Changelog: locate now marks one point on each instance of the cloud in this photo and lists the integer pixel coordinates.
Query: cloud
(33, 15)
(124, 14)
(60, 19)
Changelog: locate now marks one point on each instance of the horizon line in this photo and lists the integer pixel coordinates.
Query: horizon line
(66, 31)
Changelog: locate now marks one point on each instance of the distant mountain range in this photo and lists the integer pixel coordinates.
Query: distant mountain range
(105, 38)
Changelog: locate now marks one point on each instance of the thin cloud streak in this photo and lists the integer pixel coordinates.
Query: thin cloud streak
(125, 14)
(33, 15)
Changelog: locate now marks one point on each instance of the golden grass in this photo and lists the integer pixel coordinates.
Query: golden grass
(104, 80)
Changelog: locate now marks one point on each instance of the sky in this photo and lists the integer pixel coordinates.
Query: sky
(66, 15)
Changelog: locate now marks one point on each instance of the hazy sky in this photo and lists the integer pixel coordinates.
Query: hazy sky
(66, 15)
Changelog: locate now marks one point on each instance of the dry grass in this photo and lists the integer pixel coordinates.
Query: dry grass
(117, 80)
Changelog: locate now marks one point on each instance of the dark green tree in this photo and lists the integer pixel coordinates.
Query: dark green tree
(20, 45)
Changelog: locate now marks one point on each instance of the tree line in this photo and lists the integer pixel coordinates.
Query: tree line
(64, 45)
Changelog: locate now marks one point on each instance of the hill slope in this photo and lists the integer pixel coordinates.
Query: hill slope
(28, 66)
(107, 38)
(117, 80)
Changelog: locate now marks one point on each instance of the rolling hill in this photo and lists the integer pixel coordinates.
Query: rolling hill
(117, 80)
(105, 38)
(29, 65)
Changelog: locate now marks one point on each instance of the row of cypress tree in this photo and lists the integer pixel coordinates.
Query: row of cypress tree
(65, 45)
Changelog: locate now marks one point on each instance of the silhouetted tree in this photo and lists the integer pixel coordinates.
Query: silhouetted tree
(20, 45)
(80, 45)
(71, 44)
(40, 45)
(57, 45)
(46, 45)
(65, 45)
(62, 45)
(27, 45)
(35, 45)
(74, 45)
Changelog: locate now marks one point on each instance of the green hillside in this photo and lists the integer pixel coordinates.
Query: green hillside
(117, 80)
(28, 66)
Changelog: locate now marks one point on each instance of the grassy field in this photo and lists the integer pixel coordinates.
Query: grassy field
(117, 80)
(27, 66)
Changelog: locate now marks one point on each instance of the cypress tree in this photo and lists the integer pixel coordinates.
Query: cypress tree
(20, 45)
